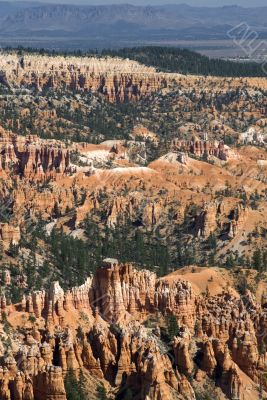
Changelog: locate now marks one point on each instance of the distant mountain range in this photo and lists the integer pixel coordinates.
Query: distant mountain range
(120, 25)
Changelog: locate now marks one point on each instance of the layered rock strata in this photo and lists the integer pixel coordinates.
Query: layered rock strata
(217, 336)
(115, 79)
(30, 155)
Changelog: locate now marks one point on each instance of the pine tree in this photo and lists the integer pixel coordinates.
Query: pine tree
(212, 242)
(1, 250)
(56, 210)
(230, 262)
(82, 386)
(257, 260)
(101, 393)
(75, 388)
(172, 326)
(71, 386)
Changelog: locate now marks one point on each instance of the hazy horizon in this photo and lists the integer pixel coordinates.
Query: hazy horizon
(201, 3)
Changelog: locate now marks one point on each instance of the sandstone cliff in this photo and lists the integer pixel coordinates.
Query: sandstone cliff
(115, 79)
(218, 335)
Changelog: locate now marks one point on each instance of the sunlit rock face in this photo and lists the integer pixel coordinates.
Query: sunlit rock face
(98, 328)
(115, 79)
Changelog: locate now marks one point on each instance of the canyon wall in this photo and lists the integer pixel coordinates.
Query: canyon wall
(115, 79)
(31, 156)
(216, 333)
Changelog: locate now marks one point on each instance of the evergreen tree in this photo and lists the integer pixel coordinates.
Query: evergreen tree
(75, 388)
(1, 250)
(82, 386)
(101, 393)
(212, 242)
(171, 59)
(172, 326)
(257, 260)
(71, 386)
(230, 262)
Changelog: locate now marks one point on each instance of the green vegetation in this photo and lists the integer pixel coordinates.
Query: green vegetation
(6, 324)
(129, 243)
(172, 327)
(71, 257)
(167, 59)
(75, 259)
(75, 388)
(257, 261)
(101, 393)
(204, 396)
(98, 120)
(169, 331)
(172, 59)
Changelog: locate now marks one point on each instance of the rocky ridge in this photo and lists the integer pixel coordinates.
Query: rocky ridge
(28, 157)
(48, 184)
(115, 79)
(178, 197)
(220, 333)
